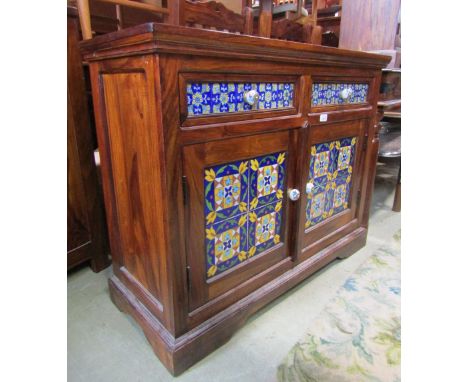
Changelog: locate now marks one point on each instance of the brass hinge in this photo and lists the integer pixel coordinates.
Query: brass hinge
(189, 278)
(184, 189)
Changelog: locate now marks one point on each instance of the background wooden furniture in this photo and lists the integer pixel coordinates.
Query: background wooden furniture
(377, 29)
(389, 113)
(211, 110)
(282, 21)
(86, 228)
(193, 13)
(323, 18)
(390, 152)
(329, 18)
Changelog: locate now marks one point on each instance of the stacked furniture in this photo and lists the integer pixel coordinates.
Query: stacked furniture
(329, 18)
(233, 168)
(287, 22)
(389, 113)
(377, 30)
(87, 239)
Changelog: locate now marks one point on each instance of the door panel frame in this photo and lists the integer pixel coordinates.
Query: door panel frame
(313, 239)
(196, 158)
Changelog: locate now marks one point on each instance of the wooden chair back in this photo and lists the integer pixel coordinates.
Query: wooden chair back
(285, 29)
(194, 13)
(214, 15)
(85, 16)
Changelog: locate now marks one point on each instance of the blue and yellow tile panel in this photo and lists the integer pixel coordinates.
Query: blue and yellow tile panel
(324, 94)
(208, 98)
(330, 172)
(243, 208)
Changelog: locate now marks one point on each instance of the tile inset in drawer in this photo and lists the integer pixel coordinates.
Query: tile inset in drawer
(210, 98)
(324, 94)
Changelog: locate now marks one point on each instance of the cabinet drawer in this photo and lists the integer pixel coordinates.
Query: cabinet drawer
(325, 93)
(212, 98)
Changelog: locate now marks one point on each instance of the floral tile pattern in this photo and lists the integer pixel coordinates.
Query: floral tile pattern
(329, 94)
(266, 175)
(226, 241)
(264, 226)
(226, 190)
(206, 98)
(357, 337)
(330, 173)
(243, 203)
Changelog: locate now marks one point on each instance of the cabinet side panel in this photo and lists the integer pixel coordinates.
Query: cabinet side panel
(136, 170)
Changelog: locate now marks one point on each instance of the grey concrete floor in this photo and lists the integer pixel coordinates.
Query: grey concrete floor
(107, 345)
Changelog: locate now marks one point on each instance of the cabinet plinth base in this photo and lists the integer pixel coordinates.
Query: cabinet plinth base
(178, 354)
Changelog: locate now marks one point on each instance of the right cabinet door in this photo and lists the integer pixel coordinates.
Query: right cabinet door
(331, 178)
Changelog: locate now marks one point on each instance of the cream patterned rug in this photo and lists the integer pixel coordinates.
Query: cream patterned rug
(357, 335)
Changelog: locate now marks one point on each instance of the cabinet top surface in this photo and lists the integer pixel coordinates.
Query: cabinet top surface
(165, 38)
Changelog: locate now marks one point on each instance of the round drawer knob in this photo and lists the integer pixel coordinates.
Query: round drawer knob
(309, 188)
(251, 97)
(294, 194)
(346, 94)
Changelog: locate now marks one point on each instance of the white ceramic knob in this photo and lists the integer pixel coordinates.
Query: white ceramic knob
(294, 194)
(309, 188)
(346, 93)
(251, 97)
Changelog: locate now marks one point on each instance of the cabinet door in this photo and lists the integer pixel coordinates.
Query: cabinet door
(236, 214)
(331, 178)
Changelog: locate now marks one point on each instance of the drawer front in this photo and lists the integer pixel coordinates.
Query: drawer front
(334, 93)
(213, 97)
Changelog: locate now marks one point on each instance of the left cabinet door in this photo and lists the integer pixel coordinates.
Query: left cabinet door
(236, 213)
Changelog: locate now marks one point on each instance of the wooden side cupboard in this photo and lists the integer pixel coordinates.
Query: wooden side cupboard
(233, 168)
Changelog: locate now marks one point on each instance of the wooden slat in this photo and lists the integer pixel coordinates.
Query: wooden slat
(85, 19)
(134, 4)
(265, 18)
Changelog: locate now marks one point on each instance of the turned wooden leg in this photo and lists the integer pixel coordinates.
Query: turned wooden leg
(397, 199)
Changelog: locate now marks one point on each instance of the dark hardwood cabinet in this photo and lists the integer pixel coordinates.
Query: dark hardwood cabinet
(233, 168)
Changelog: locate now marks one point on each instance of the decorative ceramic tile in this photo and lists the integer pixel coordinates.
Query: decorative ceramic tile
(264, 227)
(318, 205)
(329, 94)
(344, 157)
(266, 179)
(226, 244)
(330, 171)
(226, 190)
(243, 203)
(228, 97)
